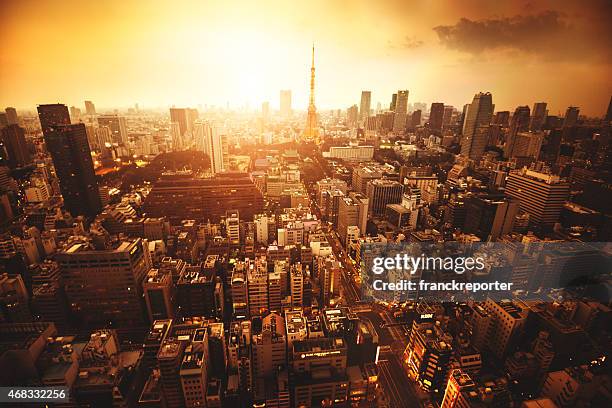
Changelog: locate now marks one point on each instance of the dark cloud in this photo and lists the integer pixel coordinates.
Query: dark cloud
(549, 34)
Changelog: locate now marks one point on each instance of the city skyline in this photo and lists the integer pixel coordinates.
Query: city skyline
(247, 53)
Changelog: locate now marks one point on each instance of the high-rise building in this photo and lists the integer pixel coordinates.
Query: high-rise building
(508, 326)
(382, 192)
(265, 110)
(541, 195)
(269, 350)
(571, 116)
(352, 211)
(401, 113)
(158, 289)
(51, 115)
(182, 117)
(490, 217)
(319, 366)
(502, 118)
(285, 103)
(436, 115)
(104, 286)
(460, 391)
(364, 106)
(75, 114)
(74, 168)
(476, 125)
(518, 123)
(393, 102)
(117, 125)
(215, 145)
(352, 115)
(415, 119)
(11, 116)
(257, 278)
(608, 117)
(538, 116)
(428, 354)
(13, 138)
(311, 130)
(90, 108)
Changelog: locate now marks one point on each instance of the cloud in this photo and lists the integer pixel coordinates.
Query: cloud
(408, 43)
(547, 34)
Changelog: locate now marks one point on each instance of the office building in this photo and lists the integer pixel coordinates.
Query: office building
(104, 286)
(285, 103)
(436, 115)
(257, 279)
(178, 196)
(269, 349)
(13, 138)
(364, 106)
(352, 211)
(74, 168)
(382, 192)
(507, 326)
(490, 217)
(215, 146)
(476, 125)
(52, 115)
(319, 366)
(538, 116)
(461, 391)
(427, 355)
(571, 116)
(401, 113)
(519, 123)
(11, 116)
(159, 289)
(540, 195)
(117, 125)
(90, 108)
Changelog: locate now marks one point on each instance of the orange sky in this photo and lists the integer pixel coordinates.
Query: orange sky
(160, 53)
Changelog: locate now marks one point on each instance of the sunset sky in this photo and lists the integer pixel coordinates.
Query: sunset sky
(183, 53)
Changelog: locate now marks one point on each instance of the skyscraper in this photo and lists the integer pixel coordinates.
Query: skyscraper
(393, 102)
(185, 117)
(542, 196)
(518, 123)
(382, 192)
(285, 103)
(90, 108)
(571, 116)
(74, 167)
(609, 112)
(13, 138)
(11, 116)
(538, 116)
(117, 125)
(436, 115)
(311, 131)
(364, 107)
(475, 127)
(51, 115)
(401, 113)
(214, 145)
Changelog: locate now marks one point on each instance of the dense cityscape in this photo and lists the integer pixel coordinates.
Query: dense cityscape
(222, 256)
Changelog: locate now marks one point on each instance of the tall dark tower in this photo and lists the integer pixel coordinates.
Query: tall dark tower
(51, 115)
(312, 130)
(74, 167)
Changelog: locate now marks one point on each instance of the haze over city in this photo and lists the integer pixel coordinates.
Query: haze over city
(237, 53)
